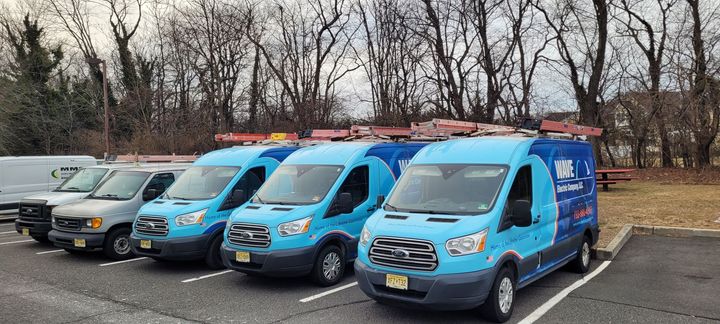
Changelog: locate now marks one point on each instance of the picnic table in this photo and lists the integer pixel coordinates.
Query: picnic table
(605, 179)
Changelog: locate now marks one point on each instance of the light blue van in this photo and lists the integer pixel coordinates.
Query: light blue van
(306, 219)
(187, 222)
(473, 220)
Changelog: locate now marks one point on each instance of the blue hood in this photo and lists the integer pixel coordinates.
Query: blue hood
(422, 226)
(173, 208)
(272, 215)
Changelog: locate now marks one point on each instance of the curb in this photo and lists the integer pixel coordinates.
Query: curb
(611, 250)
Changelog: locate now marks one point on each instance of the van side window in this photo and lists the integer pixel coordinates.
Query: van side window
(357, 184)
(248, 183)
(521, 190)
(160, 182)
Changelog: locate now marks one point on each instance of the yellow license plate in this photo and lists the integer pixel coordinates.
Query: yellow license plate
(241, 256)
(79, 243)
(396, 281)
(145, 244)
(26, 231)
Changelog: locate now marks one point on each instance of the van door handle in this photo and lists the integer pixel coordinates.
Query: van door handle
(536, 220)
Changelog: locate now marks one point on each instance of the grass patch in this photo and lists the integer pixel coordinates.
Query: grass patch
(654, 203)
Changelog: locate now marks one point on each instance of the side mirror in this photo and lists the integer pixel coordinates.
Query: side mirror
(380, 200)
(150, 194)
(344, 203)
(238, 196)
(521, 214)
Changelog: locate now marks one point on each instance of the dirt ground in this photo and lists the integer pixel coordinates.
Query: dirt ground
(666, 197)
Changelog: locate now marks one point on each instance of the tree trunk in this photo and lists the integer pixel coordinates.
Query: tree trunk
(665, 150)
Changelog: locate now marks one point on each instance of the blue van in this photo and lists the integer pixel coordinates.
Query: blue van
(187, 222)
(307, 217)
(473, 220)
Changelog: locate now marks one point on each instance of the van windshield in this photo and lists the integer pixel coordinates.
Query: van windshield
(84, 180)
(458, 189)
(120, 185)
(298, 184)
(201, 182)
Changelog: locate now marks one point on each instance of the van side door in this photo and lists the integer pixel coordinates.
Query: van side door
(360, 184)
(522, 240)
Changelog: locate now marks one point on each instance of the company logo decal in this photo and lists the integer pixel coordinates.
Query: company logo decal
(400, 253)
(63, 173)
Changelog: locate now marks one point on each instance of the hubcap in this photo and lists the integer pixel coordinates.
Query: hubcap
(585, 254)
(122, 245)
(505, 297)
(331, 266)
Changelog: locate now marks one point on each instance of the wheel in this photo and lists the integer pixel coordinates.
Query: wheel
(41, 239)
(117, 244)
(329, 266)
(581, 263)
(499, 304)
(212, 257)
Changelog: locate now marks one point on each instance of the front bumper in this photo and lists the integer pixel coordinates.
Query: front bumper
(37, 228)
(66, 240)
(442, 292)
(182, 248)
(282, 263)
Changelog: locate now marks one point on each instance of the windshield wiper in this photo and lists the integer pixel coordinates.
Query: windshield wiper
(107, 196)
(391, 207)
(259, 200)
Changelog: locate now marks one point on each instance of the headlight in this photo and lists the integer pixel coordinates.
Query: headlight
(295, 227)
(94, 222)
(364, 236)
(470, 244)
(191, 218)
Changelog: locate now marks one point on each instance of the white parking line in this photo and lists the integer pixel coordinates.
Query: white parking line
(51, 251)
(207, 276)
(8, 232)
(544, 308)
(15, 242)
(123, 261)
(331, 291)
(8, 224)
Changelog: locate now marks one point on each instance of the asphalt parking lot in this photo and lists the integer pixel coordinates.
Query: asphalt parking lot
(653, 279)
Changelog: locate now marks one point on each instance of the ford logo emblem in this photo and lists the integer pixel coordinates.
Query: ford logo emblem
(29, 210)
(246, 235)
(400, 253)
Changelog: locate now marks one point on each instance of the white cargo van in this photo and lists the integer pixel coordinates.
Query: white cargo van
(22, 176)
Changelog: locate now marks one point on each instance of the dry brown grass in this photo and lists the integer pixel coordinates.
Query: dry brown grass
(656, 203)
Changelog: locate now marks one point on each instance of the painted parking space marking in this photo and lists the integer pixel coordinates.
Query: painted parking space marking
(207, 276)
(51, 251)
(16, 242)
(331, 291)
(8, 232)
(123, 261)
(7, 224)
(544, 308)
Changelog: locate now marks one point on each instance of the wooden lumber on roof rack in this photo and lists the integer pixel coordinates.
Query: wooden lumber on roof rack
(154, 158)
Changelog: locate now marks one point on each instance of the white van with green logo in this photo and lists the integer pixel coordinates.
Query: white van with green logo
(22, 176)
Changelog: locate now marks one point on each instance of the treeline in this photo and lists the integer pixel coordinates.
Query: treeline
(646, 70)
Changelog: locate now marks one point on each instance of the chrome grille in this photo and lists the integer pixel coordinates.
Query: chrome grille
(151, 225)
(254, 235)
(404, 253)
(68, 223)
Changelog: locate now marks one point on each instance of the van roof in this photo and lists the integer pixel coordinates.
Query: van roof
(483, 150)
(342, 153)
(239, 155)
(158, 168)
(47, 157)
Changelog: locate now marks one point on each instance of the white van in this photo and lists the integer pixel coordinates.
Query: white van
(22, 176)
(34, 211)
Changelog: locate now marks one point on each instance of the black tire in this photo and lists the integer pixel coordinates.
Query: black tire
(213, 259)
(329, 266)
(41, 239)
(492, 309)
(117, 244)
(581, 263)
